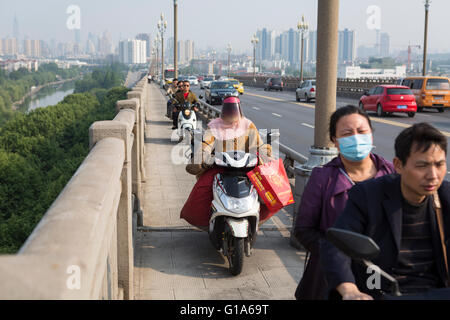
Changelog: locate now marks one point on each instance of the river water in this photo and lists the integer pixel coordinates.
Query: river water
(47, 96)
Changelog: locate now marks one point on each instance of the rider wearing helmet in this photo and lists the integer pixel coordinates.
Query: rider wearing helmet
(231, 132)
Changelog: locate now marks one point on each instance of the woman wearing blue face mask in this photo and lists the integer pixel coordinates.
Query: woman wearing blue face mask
(325, 195)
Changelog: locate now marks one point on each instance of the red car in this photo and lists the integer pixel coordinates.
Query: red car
(387, 99)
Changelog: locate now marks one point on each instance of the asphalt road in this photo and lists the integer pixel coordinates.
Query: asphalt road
(295, 120)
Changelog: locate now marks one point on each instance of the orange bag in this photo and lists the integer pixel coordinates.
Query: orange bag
(272, 184)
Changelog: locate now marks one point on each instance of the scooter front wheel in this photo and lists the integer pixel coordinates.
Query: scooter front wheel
(236, 255)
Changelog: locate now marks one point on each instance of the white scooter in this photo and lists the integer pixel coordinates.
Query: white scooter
(235, 208)
(187, 122)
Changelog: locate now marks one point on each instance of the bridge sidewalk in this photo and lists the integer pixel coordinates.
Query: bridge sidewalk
(174, 260)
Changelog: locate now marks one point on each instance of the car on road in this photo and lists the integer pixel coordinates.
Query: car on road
(430, 92)
(387, 99)
(238, 85)
(274, 84)
(206, 82)
(218, 91)
(193, 81)
(307, 91)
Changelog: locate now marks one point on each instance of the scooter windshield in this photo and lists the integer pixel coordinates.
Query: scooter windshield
(236, 159)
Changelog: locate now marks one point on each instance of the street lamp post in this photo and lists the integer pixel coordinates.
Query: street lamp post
(229, 49)
(254, 40)
(175, 37)
(156, 45)
(162, 26)
(303, 27)
(427, 9)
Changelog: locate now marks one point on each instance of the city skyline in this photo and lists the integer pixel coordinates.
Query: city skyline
(38, 22)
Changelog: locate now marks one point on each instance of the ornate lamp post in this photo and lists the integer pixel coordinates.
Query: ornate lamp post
(229, 49)
(303, 27)
(175, 37)
(162, 26)
(156, 45)
(254, 40)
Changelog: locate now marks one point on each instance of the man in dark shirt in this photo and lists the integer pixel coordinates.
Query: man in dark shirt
(185, 95)
(398, 213)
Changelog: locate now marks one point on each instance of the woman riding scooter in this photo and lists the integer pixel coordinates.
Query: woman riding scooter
(231, 132)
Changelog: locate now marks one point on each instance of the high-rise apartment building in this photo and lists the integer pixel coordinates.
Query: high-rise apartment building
(133, 51)
(147, 38)
(347, 46)
(32, 48)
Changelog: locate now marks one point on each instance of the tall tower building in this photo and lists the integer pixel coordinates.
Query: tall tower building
(133, 51)
(147, 38)
(384, 44)
(189, 50)
(105, 44)
(181, 51)
(16, 33)
(347, 46)
(312, 46)
(32, 48)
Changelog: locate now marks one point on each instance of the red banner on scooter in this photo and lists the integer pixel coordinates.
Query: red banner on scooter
(272, 184)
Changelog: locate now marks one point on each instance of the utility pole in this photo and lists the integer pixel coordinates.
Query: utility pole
(425, 41)
(175, 37)
(323, 150)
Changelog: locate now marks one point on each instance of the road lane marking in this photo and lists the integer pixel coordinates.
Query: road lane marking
(256, 108)
(308, 125)
(384, 121)
(277, 115)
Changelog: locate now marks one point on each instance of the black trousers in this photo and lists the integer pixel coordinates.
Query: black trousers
(175, 118)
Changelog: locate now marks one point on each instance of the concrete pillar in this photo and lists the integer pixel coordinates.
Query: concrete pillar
(140, 135)
(125, 255)
(326, 85)
(133, 104)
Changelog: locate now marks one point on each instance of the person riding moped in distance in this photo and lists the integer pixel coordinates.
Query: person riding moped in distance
(171, 92)
(231, 132)
(185, 95)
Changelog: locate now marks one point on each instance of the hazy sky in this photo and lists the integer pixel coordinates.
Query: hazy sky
(215, 23)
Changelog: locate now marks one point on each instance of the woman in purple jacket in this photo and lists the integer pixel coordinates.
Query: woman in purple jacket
(325, 195)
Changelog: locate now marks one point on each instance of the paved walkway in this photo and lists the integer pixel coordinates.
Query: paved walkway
(174, 260)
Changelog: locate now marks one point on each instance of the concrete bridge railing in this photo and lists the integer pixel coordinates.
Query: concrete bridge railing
(83, 246)
(353, 88)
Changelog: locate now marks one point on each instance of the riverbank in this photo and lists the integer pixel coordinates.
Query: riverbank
(15, 106)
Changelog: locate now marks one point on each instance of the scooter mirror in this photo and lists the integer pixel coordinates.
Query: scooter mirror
(354, 245)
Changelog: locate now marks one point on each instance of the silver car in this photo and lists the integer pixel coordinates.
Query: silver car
(306, 91)
(193, 81)
(206, 83)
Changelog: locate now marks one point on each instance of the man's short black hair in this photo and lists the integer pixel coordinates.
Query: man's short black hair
(421, 136)
(175, 80)
(342, 112)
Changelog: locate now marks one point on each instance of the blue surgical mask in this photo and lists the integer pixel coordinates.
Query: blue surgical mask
(357, 147)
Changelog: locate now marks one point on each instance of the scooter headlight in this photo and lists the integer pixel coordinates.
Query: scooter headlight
(236, 205)
(187, 112)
